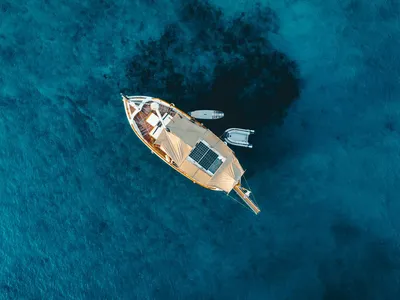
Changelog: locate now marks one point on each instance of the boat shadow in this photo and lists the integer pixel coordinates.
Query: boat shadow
(208, 61)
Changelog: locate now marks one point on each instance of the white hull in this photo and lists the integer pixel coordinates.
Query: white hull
(238, 137)
(206, 114)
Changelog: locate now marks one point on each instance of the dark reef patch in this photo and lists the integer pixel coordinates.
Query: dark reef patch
(345, 233)
(209, 61)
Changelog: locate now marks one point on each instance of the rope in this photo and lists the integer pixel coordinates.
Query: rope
(221, 137)
(255, 201)
(245, 206)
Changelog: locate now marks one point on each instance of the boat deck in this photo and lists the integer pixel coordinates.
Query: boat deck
(209, 163)
(144, 126)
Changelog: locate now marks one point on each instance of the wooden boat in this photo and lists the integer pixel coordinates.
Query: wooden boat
(187, 146)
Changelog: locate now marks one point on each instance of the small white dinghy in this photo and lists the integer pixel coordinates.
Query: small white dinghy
(207, 114)
(238, 137)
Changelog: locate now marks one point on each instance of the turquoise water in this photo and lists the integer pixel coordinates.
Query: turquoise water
(87, 213)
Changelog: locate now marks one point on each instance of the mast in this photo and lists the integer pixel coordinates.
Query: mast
(244, 195)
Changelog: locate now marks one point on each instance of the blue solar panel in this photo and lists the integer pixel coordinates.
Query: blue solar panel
(215, 165)
(198, 152)
(208, 159)
(205, 157)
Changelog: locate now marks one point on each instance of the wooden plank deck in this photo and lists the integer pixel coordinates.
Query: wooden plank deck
(144, 127)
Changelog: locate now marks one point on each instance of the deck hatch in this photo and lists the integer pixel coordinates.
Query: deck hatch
(206, 158)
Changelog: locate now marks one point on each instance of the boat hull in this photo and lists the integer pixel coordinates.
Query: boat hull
(224, 172)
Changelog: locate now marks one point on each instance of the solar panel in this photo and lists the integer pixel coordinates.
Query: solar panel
(198, 152)
(205, 157)
(208, 159)
(215, 165)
